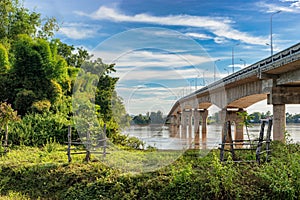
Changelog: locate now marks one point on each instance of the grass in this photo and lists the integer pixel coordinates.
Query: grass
(44, 173)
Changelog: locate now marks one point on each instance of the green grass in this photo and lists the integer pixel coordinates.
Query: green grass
(44, 173)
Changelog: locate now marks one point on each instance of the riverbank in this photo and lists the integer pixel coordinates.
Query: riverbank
(32, 173)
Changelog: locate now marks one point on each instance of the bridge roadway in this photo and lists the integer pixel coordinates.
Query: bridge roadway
(276, 78)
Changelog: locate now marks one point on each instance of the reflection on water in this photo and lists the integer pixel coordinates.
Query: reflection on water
(159, 136)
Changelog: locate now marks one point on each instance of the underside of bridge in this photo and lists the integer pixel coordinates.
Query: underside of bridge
(247, 101)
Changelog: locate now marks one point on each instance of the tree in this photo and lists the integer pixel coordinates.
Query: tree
(157, 117)
(41, 74)
(74, 57)
(4, 62)
(7, 114)
(256, 116)
(15, 20)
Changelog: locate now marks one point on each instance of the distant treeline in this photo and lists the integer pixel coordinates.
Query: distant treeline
(290, 118)
(149, 118)
(256, 117)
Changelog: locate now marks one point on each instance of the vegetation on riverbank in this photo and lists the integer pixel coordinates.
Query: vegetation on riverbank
(32, 173)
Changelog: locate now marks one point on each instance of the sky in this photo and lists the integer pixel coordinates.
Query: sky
(164, 49)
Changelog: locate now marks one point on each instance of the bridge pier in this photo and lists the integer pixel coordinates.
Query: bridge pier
(190, 115)
(184, 124)
(196, 128)
(174, 126)
(279, 122)
(177, 127)
(204, 115)
(279, 96)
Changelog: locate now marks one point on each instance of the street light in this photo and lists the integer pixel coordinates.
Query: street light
(191, 84)
(203, 79)
(226, 70)
(271, 33)
(243, 61)
(233, 56)
(215, 69)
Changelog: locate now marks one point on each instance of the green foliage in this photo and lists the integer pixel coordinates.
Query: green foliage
(41, 106)
(152, 118)
(41, 74)
(32, 173)
(222, 179)
(74, 57)
(126, 141)
(37, 75)
(7, 114)
(8, 85)
(4, 62)
(24, 100)
(15, 20)
(246, 118)
(141, 120)
(36, 129)
(51, 146)
(279, 178)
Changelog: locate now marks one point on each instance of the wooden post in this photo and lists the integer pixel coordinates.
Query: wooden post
(69, 144)
(268, 138)
(88, 146)
(104, 143)
(231, 141)
(6, 138)
(222, 150)
(259, 145)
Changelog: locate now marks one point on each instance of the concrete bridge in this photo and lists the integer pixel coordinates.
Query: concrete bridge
(276, 78)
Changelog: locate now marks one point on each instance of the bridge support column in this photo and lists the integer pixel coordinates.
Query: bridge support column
(190, 139)
(177, 127)
(183, 124)
(196, 128)
(173, 126)
(279, 96)
(239, 128)
(279, 122)
(204, 115)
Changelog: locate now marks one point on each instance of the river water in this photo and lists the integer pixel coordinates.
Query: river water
(159, 136)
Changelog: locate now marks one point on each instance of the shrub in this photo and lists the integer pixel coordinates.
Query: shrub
(36, 129)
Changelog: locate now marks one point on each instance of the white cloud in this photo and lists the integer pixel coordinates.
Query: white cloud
(199, 36)
(295, 3)
(270, 8)
(152, 59)
(148, 65)
(220, 40)
(78, 30)
(220, 27)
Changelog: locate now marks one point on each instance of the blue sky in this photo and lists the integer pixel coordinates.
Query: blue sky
(163, 48)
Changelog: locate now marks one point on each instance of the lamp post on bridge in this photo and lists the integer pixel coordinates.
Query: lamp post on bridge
(271, 30)
(215, 66)
(196, 84)
(226, 70)
(243, 61)
(233, 56)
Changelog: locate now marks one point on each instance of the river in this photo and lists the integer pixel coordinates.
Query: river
(159, 136)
